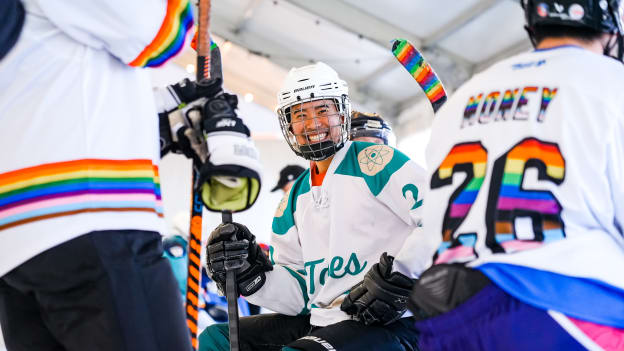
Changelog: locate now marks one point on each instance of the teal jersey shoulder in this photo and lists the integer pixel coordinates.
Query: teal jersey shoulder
(284, 217)
(374, 163)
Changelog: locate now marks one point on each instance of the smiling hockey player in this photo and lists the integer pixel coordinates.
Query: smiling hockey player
(356, 202)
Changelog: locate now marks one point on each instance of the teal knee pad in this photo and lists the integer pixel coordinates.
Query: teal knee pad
(215, 338)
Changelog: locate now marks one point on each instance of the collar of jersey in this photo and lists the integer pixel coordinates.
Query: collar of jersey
(558, 47)
(338, 157)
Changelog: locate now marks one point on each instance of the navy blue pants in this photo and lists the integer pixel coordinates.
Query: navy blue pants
(106, 290)
(492, 320)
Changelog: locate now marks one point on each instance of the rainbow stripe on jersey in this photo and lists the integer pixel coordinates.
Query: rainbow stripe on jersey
(72, 187)
(416, 65)
(170, 37)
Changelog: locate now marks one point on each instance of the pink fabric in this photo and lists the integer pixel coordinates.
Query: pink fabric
(609, 338)
(85, 198)
(519, 245)
(454, 253)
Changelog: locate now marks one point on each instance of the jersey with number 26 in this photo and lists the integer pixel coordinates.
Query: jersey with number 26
(526, 175)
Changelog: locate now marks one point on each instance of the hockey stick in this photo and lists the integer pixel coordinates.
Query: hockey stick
(231, 294)
(422, 72)
(209, 67)
(193, 281)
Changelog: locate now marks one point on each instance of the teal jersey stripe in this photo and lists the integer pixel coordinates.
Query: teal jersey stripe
(350, 166)
(282, 224)
(304, 290)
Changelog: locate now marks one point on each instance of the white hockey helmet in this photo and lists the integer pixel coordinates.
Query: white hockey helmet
(311, 83)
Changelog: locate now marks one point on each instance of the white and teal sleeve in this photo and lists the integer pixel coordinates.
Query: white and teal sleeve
(285, 289)
(404, 195)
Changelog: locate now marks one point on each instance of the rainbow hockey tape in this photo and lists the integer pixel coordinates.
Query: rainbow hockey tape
(422, 72)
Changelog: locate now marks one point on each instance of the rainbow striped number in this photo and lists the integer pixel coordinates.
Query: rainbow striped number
(509, 204)
(469, 158)
(516, 218)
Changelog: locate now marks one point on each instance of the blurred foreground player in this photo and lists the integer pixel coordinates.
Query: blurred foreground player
(81, 263)
(526, 174)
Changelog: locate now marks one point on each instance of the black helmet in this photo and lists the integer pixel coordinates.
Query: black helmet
(371, 125)
(602, 16)
(599, 15)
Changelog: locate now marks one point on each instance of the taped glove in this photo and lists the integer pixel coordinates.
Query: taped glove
(381, 297)
(230, 177)
(179, 115)
(232, 246)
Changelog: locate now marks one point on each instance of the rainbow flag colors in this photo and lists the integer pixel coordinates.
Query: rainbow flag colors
(170, 37)
(547, 96)
(507, 103)
(513, 199)
(72, 187)
(415, 64)
(471, 155)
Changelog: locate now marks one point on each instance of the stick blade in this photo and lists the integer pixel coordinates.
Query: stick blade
(413, 61)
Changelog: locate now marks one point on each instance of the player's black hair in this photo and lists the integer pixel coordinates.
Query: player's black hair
(540, 32)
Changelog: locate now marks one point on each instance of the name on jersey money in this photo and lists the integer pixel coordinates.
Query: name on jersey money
(515, 104)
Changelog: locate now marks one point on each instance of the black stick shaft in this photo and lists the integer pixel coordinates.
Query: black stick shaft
(231, 295)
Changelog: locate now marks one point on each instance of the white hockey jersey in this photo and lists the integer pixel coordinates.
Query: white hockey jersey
(526, 175)
(325, 238)
(78, 122)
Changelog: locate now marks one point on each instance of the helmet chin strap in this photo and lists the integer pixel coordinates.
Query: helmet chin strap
(611, 43)
(531, 36)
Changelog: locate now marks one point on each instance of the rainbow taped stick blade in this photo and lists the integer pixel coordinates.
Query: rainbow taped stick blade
(416, 65)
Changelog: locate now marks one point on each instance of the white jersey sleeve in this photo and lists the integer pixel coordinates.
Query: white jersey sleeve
(285, 290)
(403, 194)
(138, 32)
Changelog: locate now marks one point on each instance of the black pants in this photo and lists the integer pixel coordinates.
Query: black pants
(106, 290)
(274, 332)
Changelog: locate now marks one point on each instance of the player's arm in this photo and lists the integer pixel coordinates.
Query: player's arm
(139, 32)
(382, 296)
(405, 195)
(286, 289)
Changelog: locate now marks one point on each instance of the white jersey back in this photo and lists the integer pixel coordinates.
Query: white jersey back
(78, 122)
(526, 166)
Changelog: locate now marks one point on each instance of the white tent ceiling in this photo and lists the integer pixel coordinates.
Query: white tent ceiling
(262, 39)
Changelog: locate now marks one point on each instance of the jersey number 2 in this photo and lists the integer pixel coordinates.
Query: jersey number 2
(515, 218)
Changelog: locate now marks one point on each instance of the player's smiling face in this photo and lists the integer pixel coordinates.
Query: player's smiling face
(315, 121)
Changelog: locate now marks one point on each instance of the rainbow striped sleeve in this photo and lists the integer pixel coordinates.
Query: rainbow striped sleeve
(170, 37)
(71, 187)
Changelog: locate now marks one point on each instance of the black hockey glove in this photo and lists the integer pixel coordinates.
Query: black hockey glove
(230, 177)
(444, 287)
(179, 115)
(381, 297)
(231, 245)
(188, 91)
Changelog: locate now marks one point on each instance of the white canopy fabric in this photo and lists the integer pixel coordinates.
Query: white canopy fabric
(261, 39)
